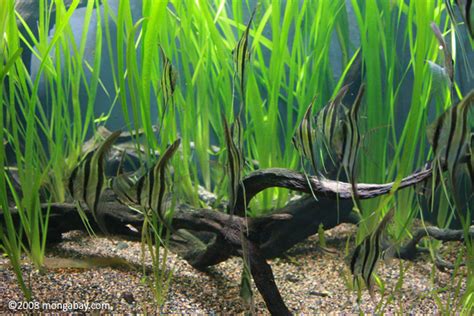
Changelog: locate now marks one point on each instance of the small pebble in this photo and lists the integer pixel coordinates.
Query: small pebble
(128, 297)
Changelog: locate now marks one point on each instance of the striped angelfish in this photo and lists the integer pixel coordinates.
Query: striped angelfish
(124, 186)
(467, 12)
(304, 138)
(328, 119)
(151, 187)
(368, 252)
(235, 160)
(347, 141)
(167, 82)
(449, 136)
(241, 56)
(87, 180)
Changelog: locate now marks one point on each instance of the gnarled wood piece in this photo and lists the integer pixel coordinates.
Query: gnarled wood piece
(409, 251)
(263, 179)
(264, 234)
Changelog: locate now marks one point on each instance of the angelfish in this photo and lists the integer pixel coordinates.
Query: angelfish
(467, 12)
(167, 83)
(368, 252)
(449, 137)
(149, 190)
(347, 141)
(87, 180)
(235, 159)
(241, 56)
(328, 119)
(304, 138)
(145, 190)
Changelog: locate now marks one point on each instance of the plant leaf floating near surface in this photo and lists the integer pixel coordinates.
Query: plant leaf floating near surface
(87, 180)
(367, 253)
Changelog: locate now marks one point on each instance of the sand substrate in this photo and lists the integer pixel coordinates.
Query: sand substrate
(310, 280)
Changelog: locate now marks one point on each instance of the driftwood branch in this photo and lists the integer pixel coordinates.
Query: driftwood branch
(410, 250)
(215, 236)
(283, 178)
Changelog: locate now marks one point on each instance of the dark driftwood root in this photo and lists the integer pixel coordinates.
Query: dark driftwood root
(410, 250)
(211, 237)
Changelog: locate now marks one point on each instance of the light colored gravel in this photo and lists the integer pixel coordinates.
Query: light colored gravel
(310, 280)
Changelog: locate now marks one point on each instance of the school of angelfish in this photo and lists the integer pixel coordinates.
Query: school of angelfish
(334, 128)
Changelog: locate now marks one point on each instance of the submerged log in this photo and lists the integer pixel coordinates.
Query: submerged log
(212, 236)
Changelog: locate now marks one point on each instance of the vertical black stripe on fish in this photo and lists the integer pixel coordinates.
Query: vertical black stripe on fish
(437, 135)
(355, 255)
(367, 247)
(332, 127)
(304, 135)
(462, 138)
(242, 56)
(161, 174)
(161, 193)
(140, 188)
(97, 169)
(373, 262)
(72, 179)
(169, 72)
(245, 43)
(452, 129)
(354, 133)
(100, 183)
(86, 173)
(309, 135)
(151, 184)
(324, 114)
(234, 164)
(468, 17)
(344, 141)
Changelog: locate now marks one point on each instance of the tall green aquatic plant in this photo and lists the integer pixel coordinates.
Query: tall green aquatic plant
(382, 27)
(290, 44)
(10, 238)
(41, 133)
